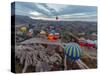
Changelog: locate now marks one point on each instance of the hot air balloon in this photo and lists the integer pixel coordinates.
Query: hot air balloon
(51, 37)
(95, 42)
(94, 34)
(57, 17)
(90, 43)
(23, 29)
(52, 31)
(43, 32)
(30, 32)
(51, 27)
(57, 35)
(73, 51)
(82, 41)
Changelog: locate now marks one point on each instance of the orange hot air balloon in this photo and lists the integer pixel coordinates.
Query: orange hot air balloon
(51, 37)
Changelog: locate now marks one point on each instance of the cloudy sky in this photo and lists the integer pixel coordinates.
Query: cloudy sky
(50, 11)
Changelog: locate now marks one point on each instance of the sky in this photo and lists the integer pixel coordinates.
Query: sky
(50, 11)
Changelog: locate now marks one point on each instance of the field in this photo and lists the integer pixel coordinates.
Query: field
(36, 52)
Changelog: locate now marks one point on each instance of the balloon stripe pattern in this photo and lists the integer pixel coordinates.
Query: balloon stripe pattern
(73, 51)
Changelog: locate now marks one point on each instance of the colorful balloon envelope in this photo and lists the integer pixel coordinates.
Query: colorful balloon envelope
(57, 35)
(52, 31)
(95, 42)
(23, 29)
(73, 51)
(29, 34)
(51, 37)
(51, 27)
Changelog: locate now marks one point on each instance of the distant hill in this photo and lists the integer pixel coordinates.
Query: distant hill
(19, 19)
(22, 19)
(74, 26)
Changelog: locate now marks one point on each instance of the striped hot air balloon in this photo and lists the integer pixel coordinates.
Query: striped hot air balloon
(73, 51)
